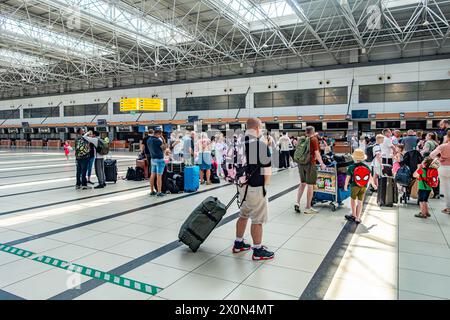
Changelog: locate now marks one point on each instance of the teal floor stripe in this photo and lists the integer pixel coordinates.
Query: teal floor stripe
(86, 271)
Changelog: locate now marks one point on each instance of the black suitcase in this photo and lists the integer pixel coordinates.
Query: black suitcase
(202, 221)
(176, 167)
(387, 192)
(111, 170)
(343, 160)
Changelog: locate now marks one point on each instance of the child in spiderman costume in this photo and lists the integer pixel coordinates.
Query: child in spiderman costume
(358, 176)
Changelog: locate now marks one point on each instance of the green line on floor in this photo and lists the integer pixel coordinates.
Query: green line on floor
(16, 251)
(90, 272)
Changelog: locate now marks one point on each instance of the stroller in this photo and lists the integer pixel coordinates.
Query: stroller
(409, 163)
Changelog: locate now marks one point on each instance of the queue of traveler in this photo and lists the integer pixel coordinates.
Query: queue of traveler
(425, 155)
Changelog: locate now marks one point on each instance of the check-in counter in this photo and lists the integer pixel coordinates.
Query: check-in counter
(342, 147)
(21, 143)
(54, 144)
(5, 143)
(119, 144)
(37, 143)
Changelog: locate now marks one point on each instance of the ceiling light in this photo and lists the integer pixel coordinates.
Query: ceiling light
(241, 64)
(156, 74)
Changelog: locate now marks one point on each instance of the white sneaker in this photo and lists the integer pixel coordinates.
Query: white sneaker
(311, 211)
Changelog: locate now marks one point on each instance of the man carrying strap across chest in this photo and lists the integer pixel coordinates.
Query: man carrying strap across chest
(253, 195)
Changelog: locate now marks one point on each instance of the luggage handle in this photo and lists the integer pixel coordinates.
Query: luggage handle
(232, 200)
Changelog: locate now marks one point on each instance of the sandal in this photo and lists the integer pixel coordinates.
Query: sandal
(446, 210)
(419, 215)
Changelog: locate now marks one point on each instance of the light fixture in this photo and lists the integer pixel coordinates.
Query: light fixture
(299, 118)
(156, 74)
(241, 64)
(402, 114)
(373, 115)
(363, 50)
(275, 118)
(426, 23)
(430, 114)
(220, 119)
(321, 117)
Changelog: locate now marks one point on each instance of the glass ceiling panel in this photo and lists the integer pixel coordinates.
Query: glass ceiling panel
(50, 39)
(399, 3)
(278, 11)
(121, 17)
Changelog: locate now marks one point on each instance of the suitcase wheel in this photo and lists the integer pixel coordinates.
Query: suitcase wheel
(333, 207)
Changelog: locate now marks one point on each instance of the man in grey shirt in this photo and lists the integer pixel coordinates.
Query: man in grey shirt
(410, 141)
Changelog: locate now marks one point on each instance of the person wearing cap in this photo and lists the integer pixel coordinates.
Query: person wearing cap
(358, 176)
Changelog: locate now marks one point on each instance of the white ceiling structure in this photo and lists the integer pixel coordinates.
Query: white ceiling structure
(52, 46)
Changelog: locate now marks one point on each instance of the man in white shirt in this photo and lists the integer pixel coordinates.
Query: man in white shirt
(284, 143)
(387, 148)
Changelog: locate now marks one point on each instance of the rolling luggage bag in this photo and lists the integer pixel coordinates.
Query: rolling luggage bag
(111, 170)
(202, 221)
(387, 192)
(143, 164)
(191, 178)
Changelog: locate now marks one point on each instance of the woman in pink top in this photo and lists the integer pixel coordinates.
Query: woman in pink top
(443, 152)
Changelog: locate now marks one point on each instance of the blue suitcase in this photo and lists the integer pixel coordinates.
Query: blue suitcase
(191, 178)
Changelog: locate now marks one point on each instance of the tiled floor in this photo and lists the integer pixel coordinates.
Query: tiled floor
(123, 231)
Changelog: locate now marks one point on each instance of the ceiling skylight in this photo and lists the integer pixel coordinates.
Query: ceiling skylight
(254, 15)
(122, 18)
(399, 3)
(52, 40)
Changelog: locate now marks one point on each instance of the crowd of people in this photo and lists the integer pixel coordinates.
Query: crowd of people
(254, 154)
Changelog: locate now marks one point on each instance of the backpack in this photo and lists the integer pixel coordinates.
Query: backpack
(102, 147)
(432, 178)
(302, 153)
(361, 175)
(82, 149)
(131, 174)
(403, 176)
(369, 153)
(139, 176)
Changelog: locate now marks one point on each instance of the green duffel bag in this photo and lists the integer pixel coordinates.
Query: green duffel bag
(202, 221)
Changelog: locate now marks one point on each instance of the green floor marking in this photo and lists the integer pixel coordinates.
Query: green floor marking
(16, 251)
(90, 272)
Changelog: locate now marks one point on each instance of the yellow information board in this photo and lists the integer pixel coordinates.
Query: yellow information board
(141, 104)
(129, 104)
(148, 104)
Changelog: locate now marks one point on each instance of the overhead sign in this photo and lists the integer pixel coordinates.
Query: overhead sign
(141, 104)
(129, 104)
(147, 104)
(101, 122)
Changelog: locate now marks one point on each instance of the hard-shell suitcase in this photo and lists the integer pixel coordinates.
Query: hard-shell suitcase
(387, 193)
(111, 170)
(202, 221)
(191, 178)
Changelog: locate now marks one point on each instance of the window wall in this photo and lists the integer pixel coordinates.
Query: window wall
(308, 97)
(50, 112)
(86, 110)
(9, 114)
(223, 102)
(406, 91)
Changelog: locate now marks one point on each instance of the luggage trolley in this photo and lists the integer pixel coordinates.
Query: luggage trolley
(326, 188)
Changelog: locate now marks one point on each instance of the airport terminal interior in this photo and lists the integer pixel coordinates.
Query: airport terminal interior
(126, 164)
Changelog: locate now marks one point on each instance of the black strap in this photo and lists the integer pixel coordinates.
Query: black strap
(194, 234)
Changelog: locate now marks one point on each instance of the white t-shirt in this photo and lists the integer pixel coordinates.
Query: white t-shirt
(284, 143)
(386, 148)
